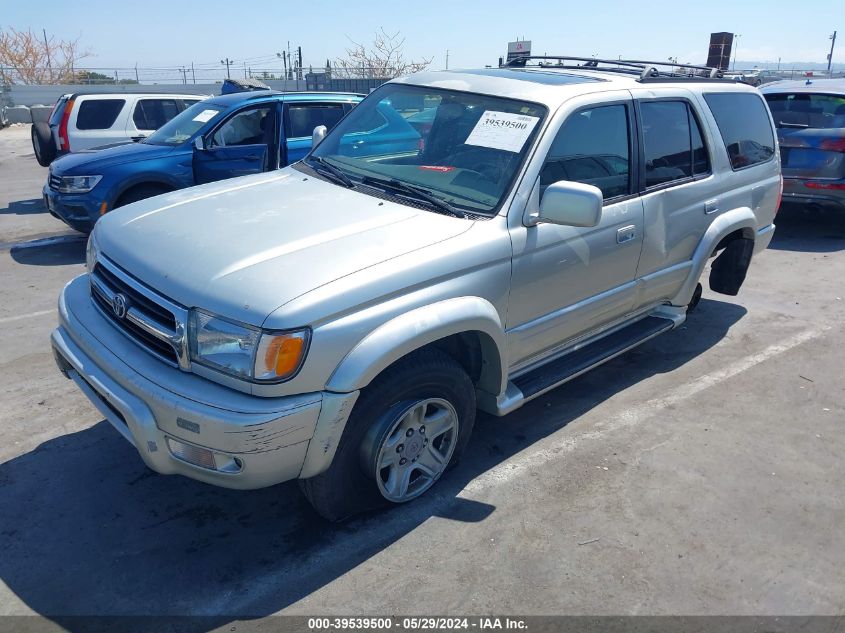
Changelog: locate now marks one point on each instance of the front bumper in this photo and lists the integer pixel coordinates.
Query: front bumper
(152, 405)
(79, 211)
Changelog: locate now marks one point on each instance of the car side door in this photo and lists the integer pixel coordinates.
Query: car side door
(243, 143)
(149, 114)
(566, 280)
(679, 192)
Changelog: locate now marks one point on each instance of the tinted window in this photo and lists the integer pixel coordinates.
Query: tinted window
(248, 127)
(700, 157)
(98, 114)
(666, 142)
(151, 114)
(744, 124)
(592, 147)
(302, 119)
(803, 110)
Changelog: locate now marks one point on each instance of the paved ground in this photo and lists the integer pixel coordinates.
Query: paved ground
(699, 474)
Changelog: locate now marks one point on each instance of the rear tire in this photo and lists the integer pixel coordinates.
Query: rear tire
(42, 144)
(428, 387)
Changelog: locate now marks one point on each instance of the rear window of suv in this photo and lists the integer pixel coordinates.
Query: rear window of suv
(804, 110)
(744, 124)
(98, 114)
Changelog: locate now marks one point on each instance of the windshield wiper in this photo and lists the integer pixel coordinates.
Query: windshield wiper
(414, 192)
(329, 170)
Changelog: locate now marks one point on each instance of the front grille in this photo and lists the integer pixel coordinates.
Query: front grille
(145, 319)
(54, 182)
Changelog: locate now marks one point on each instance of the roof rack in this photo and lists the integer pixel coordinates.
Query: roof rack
(645, 71)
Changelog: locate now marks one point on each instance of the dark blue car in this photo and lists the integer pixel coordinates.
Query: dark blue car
(222, 137)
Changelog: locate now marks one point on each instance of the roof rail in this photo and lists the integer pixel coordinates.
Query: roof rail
(645, 71)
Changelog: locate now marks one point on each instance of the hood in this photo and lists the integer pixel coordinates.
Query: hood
(246, 246)
(93, 161)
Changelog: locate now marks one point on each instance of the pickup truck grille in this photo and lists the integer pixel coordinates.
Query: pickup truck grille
(151, 321)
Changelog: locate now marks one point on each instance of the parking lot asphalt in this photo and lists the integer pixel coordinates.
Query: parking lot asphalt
(699, 474)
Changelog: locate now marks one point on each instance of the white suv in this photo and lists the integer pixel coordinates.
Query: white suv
(84, 121)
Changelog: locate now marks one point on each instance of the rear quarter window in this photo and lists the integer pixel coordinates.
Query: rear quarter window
(744, 124)
(98, 114)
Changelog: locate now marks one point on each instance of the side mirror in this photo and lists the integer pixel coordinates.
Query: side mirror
(318, 135)
(199, 143)
(571, 204)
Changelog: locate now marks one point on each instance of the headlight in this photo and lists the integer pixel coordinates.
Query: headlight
(77, 184)
(243, 351)
(91, 251)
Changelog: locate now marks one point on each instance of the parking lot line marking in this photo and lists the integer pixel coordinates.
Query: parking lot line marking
(526, 461)
(31, 315)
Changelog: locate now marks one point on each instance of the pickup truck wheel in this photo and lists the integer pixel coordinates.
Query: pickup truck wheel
(407, 428)
(42, 144)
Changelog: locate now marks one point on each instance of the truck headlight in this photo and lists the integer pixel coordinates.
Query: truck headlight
(77, 184)
(244, 351)
(92, 250)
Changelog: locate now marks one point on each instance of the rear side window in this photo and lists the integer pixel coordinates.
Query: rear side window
(744, 124)
(98, 114)
(672, 142)
(58, 111)
(302, 119)
(151, 114)
(592, 147)
(804, 110)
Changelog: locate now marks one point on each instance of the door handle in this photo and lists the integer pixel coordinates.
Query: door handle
(711, 206)
(626, 234)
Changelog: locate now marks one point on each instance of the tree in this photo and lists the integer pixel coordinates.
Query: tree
(27, 57)
(383, 59)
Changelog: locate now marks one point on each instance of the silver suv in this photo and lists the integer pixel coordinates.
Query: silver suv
(340, 321)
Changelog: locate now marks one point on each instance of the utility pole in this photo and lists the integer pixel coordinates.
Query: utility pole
(447, 59)
(193, 75)
(47, 50)
(244, 70)
(136, 73)
(736, 48)
(830, 55)
(227, 62)
(299, 73)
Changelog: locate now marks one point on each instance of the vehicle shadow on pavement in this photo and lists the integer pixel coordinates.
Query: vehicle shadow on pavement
(24, 207)
(810, 231)
(87, 529)
(59, 251)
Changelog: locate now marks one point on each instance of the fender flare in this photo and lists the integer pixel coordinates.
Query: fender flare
(739, 219)
(416, 328)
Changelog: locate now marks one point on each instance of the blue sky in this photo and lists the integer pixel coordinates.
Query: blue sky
(153, 33)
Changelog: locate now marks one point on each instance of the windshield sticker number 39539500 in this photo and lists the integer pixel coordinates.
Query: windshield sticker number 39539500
(502, 130)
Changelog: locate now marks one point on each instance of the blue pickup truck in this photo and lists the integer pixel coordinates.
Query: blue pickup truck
(222, 137)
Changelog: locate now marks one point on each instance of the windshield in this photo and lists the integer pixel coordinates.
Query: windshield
(807, 110)
(184, 125)
(462, 148)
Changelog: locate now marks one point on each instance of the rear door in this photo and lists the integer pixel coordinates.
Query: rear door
(149, 114)
(244, 143)
(679, 192)
(300, 121)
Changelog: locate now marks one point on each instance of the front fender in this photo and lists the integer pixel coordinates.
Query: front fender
(739, 219)
(419, 327)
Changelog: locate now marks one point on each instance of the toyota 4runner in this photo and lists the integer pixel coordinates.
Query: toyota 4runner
(340, 321)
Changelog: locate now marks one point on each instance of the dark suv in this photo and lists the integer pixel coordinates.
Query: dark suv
(810, 120)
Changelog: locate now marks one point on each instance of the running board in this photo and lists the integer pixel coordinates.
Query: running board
(563, 369)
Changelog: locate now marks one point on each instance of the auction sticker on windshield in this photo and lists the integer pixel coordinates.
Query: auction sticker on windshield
(502, 130)
(205, 116)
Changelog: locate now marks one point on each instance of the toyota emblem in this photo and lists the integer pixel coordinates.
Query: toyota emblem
(118, 305)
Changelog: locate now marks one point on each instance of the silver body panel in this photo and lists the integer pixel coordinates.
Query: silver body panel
(375, 280)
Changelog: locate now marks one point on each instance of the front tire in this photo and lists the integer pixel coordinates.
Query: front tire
(407, 428)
